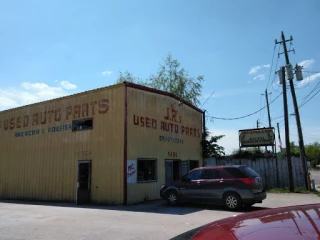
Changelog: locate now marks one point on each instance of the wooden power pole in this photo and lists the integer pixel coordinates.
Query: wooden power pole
(286, 125)
(296, 111)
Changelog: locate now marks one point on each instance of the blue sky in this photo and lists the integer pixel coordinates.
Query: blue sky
(55, 48)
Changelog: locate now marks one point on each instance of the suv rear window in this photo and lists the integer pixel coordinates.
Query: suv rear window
(234, 172)
(249, 172)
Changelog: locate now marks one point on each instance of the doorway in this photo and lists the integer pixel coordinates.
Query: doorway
(193, 164)
(175, 169)
(84, 182)
(172, 171)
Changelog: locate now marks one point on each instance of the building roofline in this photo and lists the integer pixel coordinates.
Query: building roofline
(153, 90)
(128, 84)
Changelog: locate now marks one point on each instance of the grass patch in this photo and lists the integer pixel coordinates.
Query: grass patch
(286, 190)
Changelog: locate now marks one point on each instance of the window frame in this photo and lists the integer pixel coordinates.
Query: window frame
(230, 176)
(155, 170)
(81, 120)
(201, 172)
(217, 172)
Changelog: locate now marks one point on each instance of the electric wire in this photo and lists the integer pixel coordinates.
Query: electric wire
(274, 50)
(207, 99)
(309, 99)
(248, 115)
(304, 99)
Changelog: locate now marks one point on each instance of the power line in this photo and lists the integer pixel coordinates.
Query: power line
(274, 50)
(260, 105)
(309, 99)
(312, 71)
(305, 98)
(207, 99)
(248, 115)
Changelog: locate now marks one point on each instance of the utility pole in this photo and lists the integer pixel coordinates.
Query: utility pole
(296, 110)
(204, 134)
(280, 143)
(286, 124)
(268, 109)
(258, 123)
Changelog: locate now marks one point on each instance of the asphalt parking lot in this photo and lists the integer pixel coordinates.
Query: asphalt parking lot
(150, 220)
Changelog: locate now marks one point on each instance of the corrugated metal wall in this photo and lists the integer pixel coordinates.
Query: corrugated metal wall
(153, 121)
(267, 168)
(39, 161)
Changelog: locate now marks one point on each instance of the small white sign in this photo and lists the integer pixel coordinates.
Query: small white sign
(131, 171)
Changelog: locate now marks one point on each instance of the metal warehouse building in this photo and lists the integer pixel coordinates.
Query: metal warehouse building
(114, 145)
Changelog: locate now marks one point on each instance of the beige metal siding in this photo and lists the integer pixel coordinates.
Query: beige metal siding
(43, 166)
(148, 122)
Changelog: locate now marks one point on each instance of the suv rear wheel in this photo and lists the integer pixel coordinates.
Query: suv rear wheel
(232, 201)
(172, 198)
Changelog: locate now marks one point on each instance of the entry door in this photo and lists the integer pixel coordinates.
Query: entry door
(184, 168)
(169, 171)
(84, 182)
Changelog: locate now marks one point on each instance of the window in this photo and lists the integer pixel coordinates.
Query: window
(250, 172)
(234, 172)
(147, 169)
(79, 125)
(211, 174)
(194, 175)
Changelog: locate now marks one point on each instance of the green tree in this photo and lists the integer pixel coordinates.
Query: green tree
(294, 150)
(313, 153)
(128, 77)
(170, 78)
(210, 147)
(174, 79)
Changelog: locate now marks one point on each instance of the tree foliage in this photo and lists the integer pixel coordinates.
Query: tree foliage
(170, 78)
(128, 77)
(174, 79)
(313, 153)
(210, 147)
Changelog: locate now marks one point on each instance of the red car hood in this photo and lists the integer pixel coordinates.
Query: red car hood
(294, 222)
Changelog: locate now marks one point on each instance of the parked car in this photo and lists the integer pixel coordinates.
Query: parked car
(232, 186)
(292, 223)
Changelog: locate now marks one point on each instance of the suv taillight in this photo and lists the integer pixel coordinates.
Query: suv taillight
(248, 181)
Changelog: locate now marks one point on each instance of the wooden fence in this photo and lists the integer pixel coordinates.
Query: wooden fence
(273, 172)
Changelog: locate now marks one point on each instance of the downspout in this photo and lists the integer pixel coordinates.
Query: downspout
(203, 134)
(125, 146)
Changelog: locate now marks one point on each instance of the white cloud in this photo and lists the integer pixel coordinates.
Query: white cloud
(28, 93)
(106, 73)
(307, 64)
(254, 70)
(67, 85)
(259, 77)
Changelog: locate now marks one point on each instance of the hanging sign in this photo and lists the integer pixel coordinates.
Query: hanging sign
(256, 137)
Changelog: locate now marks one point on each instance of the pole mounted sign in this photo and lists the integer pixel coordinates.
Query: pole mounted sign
(256, 137)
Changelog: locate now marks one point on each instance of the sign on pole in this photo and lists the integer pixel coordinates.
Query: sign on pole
(256, 137)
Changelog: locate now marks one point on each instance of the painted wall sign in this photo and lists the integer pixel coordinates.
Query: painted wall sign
(171, 123)
(87, 109)
(256, 137)
(131, 171)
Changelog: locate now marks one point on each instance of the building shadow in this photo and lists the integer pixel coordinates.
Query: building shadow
(154, 206)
